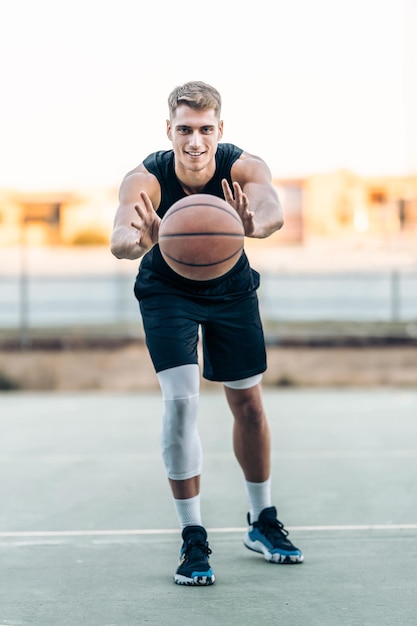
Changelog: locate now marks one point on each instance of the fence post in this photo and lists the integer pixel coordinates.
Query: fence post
(24, 338)
(395, 296)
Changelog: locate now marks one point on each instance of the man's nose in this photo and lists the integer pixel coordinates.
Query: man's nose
(195, 138)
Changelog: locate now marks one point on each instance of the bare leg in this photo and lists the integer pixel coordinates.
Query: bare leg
(183, 489)
(251, 437)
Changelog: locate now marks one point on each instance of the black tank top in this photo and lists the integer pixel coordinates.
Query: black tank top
(161, 165)
(154, 273)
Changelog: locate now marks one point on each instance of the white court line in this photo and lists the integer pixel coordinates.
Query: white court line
(171, 531)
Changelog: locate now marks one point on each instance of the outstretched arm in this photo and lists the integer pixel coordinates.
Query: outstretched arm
(136, 224)
(254, 197)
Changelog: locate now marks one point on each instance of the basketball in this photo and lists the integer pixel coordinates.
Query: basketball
(201, 237)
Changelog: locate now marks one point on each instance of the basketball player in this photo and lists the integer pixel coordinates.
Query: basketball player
(226, 309)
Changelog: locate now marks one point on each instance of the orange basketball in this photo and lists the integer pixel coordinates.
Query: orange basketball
(201, 237)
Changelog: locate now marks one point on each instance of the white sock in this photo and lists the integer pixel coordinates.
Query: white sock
(259, 495)
(188, 511)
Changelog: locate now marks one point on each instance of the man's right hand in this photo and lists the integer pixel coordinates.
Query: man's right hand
(147, 224)
(136, 224)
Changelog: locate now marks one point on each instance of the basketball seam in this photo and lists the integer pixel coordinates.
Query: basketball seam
(188, 264)
(172, 212)
(202, 234)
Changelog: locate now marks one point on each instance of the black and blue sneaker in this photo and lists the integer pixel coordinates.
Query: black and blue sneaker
(269, 537)
(194, 565)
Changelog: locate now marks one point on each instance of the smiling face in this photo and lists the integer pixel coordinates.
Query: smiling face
(194, 134)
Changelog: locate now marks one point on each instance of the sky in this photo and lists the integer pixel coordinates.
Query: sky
(310, 86)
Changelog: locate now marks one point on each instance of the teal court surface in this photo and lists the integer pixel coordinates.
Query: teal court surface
(89, 535)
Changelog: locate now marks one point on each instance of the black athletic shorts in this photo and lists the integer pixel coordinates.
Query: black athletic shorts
(226, 311)
(231, 332)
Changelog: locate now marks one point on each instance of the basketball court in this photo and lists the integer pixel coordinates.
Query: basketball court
(89, 535)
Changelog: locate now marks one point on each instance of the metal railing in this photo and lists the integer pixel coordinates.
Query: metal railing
(345, 296)
(51, 301)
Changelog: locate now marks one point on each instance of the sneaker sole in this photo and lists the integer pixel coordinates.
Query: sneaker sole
(273, 557)
(196, 581)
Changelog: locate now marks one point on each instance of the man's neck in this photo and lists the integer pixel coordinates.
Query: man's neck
(195, 188)
(194, 182)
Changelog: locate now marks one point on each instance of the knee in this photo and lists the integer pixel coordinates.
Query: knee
(253, 419)
(250, 412)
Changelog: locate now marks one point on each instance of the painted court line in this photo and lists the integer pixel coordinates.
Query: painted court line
(171, 531)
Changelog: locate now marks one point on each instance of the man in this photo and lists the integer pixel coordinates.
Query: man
(226, 309)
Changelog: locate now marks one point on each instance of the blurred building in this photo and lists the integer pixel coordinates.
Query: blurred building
(56, 218)
(321, 204)
(340, 202)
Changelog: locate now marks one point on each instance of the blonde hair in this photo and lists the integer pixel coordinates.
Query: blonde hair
(196, 95)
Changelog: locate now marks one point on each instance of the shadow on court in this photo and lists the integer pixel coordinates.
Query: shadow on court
(89, 535)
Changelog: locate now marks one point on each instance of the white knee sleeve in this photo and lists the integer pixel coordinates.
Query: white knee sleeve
(180, 440)
(244, 383)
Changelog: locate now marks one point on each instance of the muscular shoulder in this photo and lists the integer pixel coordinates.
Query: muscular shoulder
(137, 180)
(250, 168)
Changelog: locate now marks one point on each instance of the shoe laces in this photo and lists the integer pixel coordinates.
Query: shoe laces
(192, 546)
(272, 528)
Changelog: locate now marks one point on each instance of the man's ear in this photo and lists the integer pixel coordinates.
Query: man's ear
(169, 133)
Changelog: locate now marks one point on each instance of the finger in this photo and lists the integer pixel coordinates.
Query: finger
(143, 214)
(146, 201)
(241, 198)
(139, 210)
(228, 195)
(136, 225)
(237, 191)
